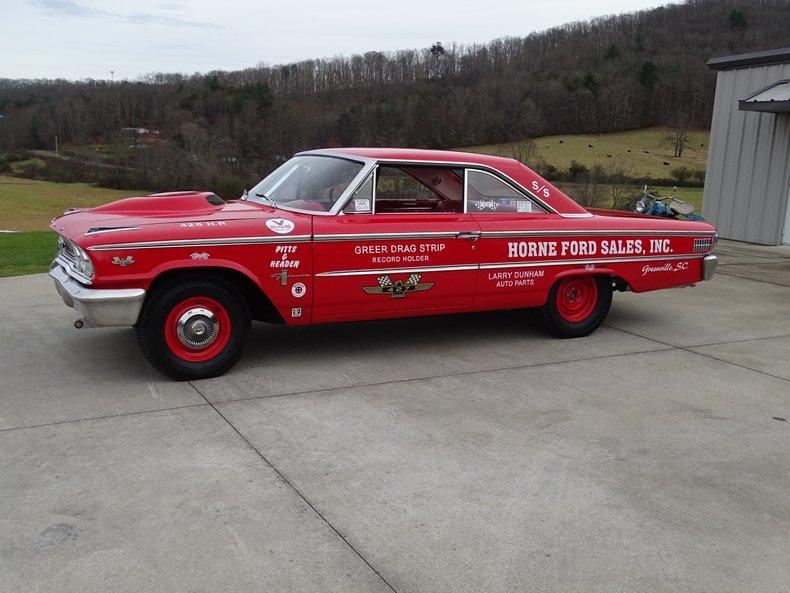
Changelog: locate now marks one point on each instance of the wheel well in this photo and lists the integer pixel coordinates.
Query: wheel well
(261, 308)
(620, 284)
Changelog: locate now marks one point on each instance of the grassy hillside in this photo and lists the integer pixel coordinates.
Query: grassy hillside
(640, 153)
(30, 205)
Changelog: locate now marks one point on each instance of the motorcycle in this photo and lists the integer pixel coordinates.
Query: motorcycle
(674, 208)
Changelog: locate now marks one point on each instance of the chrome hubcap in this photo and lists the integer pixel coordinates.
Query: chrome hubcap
(197, 328)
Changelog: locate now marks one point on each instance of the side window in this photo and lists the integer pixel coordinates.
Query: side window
(486, 193)
(418, 189)
(361, 201)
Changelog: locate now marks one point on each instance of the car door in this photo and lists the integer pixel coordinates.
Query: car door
(402, 245)
(507, 215)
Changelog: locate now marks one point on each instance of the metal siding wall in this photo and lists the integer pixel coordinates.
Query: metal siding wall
(748, 160)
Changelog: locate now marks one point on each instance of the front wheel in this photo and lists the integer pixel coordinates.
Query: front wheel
(577, 305)
(195, 329)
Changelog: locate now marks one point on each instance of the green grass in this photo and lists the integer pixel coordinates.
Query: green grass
(36, 163)
(692, 195)
(30, 205)
(26, 253)
(561, 150)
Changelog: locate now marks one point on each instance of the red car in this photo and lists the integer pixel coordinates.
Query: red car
(352, 234)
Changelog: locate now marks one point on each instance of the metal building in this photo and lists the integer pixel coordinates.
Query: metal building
(747, 184)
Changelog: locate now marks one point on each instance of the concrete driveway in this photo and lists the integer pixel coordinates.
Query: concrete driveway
(465, 453)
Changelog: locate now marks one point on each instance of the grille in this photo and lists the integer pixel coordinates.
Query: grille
(67, 250)
(703, 244)
(68, 254)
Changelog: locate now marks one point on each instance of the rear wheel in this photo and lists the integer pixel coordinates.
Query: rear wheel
(195, 329)
(577, 305)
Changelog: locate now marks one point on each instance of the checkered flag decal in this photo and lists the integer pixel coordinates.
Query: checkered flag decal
(413, 279)
(384, 281)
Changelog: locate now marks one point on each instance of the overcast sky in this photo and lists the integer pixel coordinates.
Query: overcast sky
(89, 38)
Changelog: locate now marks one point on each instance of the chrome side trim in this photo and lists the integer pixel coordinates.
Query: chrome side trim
(202, 242)
(519, 264)
(500, 234)
(455, 268)
(577, 262)
(384, 236)
(597, 232)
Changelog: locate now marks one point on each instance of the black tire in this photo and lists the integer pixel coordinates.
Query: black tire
(556, 323)
(153, 328)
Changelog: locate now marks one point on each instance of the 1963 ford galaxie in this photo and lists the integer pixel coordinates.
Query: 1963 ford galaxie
(352, 234)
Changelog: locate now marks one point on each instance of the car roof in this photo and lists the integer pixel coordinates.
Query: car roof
(514, 170)
(418, 154)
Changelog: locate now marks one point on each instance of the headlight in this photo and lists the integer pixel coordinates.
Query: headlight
(83, 263)
(642, 206)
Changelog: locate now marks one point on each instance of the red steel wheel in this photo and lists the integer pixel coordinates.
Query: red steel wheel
(576, 298)
(197, 329)
(577, 305)
(194, 326)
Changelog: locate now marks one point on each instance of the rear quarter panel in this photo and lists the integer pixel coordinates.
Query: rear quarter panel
(522, 256)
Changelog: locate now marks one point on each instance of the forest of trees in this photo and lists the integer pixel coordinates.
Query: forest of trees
(612, 73)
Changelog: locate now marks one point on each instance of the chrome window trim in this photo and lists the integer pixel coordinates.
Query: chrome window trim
(367, 165)
(416, 164)
(202, 242)
(516, 188)
(356, 189)
(333, 211)
(485, 168)
(450, 165)
(465, 190)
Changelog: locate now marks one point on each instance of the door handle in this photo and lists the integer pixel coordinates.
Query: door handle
(471, 235)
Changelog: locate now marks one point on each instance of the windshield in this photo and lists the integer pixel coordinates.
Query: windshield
(307, 183)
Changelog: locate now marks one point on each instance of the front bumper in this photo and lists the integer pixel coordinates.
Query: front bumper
(709, 264)
(102, 307)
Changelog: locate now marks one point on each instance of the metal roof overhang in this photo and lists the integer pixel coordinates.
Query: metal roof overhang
(757, 58)
(774, 98)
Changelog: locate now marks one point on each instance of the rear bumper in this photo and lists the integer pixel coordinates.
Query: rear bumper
(709, 264)
(102, 307)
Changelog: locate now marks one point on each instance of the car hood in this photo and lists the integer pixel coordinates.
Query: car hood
(172, 216)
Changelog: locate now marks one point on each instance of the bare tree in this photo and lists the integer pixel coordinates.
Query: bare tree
(524, 151)
(677, 137)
